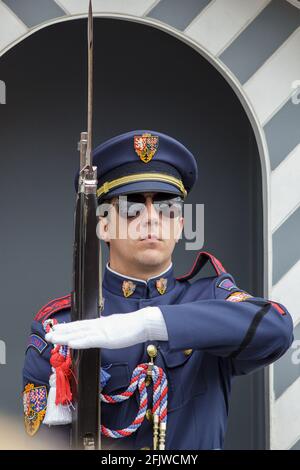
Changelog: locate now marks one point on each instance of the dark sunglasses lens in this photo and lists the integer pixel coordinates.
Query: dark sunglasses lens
(132, 205)
(129, 208)
(170, 208)
(134, 209)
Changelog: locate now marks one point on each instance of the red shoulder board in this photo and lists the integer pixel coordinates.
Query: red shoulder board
(200, 261)
(52, 307)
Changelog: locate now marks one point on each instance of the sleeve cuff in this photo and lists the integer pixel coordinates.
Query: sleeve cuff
(155, 324)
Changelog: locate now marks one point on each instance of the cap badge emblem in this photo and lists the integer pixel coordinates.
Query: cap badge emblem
(146, 146)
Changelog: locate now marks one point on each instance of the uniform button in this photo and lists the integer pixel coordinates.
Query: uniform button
(149, 415)
(152, 353)
(152, 350)
(187, 352)
(145, 448)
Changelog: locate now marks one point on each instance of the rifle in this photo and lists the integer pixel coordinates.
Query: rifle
(87, 300)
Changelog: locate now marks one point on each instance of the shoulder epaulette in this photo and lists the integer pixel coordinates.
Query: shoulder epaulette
(200, 261)
(52, 307)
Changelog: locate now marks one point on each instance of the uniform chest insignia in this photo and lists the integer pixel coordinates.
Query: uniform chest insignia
(146, 146)
(128, 288)
(34, 403)
(238, 296)
(36, 342)
(161, 285)
(227, 284)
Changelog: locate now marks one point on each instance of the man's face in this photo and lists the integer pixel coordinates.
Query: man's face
(142, 228)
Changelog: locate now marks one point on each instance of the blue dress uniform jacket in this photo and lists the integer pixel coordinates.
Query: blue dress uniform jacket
(215, 332)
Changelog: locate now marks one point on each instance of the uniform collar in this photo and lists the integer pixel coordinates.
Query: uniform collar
(131, 287)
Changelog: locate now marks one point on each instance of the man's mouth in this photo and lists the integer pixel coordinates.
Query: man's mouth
(150, 236)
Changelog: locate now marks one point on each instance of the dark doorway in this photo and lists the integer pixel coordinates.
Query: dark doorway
(144, 78)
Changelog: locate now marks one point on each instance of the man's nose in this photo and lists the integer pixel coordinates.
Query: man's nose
(150, 211)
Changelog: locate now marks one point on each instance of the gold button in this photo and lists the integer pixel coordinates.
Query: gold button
(188, 352)
(149, 415)
(152, 350)
(145, 448)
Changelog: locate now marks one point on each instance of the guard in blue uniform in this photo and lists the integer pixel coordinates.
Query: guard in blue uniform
(201, 333)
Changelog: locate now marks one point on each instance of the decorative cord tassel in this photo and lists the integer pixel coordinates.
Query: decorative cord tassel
(60, 396)
(159, 410)
(137, 380)
(56, 414)
(160, 398)
(61, 362)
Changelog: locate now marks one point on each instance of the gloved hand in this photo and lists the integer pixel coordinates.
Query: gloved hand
(113, 332)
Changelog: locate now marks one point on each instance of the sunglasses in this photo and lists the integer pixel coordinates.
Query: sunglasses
(132, 205)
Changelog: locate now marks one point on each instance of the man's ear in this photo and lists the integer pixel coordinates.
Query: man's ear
(104, 220)
(103, 229)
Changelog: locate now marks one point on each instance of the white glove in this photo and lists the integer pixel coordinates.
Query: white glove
(113, 332)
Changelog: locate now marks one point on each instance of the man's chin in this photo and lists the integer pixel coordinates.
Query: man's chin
(150, 256)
